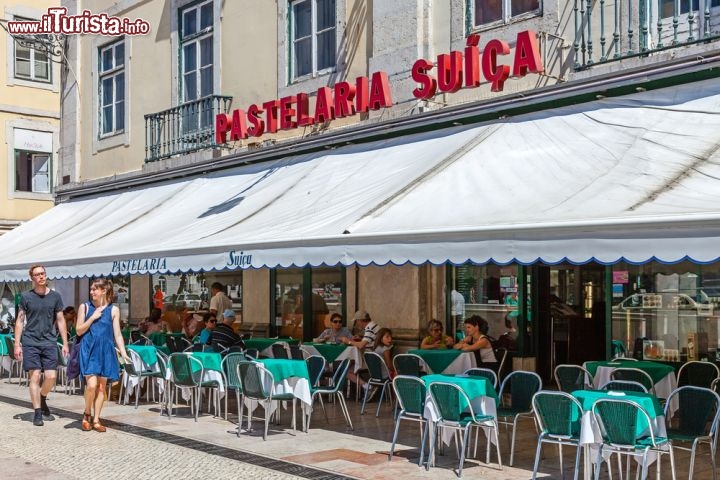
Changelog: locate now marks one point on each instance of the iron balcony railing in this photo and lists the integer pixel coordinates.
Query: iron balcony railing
(608, 30)
(186, 128)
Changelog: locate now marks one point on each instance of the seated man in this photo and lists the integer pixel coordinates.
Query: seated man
(369, 328)
(223, 336)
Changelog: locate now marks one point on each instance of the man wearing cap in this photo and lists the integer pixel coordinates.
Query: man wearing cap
(370, 329)
(224, 336)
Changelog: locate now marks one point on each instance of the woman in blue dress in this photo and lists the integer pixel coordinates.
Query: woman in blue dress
(98, 321)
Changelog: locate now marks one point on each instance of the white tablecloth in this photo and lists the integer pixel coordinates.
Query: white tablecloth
(208, 376)
(482, 405)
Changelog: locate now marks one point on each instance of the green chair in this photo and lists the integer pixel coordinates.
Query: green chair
(280, 350)
(523, 386)
(408, 364)
(229, 367)
(335, 388)
(135, 369)
(254, 377)
(15, 363)
(455, 411)
(698, 374)
(618, 421)
(696, 421)
(379, 377)
(634, 375)
(572, 377)
(559, 417)
(410, 392)
(624, 386)
(163, 362)
(188, 372)
(487, 373)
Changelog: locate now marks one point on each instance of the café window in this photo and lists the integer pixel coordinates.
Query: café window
(121, 286)
(312, 37)
(490, 291)
(192, 290)
(666, 312)
(293, 315)
(111, 88)
(489, 12)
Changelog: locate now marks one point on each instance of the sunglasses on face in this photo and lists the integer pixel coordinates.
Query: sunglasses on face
(337, 321)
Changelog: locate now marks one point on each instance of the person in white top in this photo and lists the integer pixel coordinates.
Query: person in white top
(219, 302)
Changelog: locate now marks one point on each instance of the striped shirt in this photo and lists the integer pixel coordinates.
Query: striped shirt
(370, 334)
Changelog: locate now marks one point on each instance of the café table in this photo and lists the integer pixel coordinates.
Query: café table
(289, 376)
(663, 376)
(590, 435)
(333, 352)
(448, 361)
(480, 391)
(264, 345)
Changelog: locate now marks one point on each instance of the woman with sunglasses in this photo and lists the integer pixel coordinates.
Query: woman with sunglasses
(436, 338)
(336, 332)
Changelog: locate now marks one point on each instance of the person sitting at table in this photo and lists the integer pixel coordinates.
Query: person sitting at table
(152, 323)
(369, 329)
(223, 336)
(192, 326)
(477, 341)
(383, 347)
(436, 340)
(336, 333)
(170, 320)
(210, 324)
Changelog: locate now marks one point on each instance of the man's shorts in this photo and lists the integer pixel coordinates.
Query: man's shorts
(40, 358)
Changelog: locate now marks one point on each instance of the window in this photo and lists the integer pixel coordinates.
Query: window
(486, 12)
(33, 160)
(111, 88)
(31, 62)
(32, 171)
(312, 34)
(196, 51)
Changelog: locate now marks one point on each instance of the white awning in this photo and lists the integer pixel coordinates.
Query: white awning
(635, 178)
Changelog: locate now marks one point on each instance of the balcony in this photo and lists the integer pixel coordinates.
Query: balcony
(189, 127)
(607, 30)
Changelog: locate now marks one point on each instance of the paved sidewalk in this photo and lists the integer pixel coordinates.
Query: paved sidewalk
(140, 444)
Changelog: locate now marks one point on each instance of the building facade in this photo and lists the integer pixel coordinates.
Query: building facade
(498, 110)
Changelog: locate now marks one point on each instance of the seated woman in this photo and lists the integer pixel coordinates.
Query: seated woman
(477, 341)
(172, 323)
(336, 332)
(436, 340)
(210, 324)
(152, 323)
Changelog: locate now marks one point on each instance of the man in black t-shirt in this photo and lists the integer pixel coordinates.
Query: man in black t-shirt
(36, 329)
(224, 336)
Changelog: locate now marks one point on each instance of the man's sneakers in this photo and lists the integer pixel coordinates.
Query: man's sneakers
(44, 406)
(38, 419)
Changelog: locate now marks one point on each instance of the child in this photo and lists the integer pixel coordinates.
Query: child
(383, 347)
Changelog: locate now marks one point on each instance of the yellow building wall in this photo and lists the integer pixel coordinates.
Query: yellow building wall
(19, 102)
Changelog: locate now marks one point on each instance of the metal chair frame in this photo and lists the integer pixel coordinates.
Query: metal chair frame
(233, 382)
(588, 379)
(624, 386)
(379, 378)
(398, 363)
(336, 388)
(547, 436)
(710, 438)
(710, 366)
(406, 414)
(517, 415)
(618, 372)
(195, 382)
(630, 450)
(484, 372)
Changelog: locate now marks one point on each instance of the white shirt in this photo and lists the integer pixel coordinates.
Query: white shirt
(457, 303)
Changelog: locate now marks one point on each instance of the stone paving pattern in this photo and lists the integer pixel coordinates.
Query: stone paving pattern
(140, 444)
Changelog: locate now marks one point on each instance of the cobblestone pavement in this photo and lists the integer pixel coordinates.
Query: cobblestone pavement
(61, 451)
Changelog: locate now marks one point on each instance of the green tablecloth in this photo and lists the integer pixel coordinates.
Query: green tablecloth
(261, 344)
(282, 369)
(3, 346)
(209, 360)
(157, 338)
(657, 371)
(648, 402)
(329, 351)
(473, 386)
(147, 353)
(437, 360)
